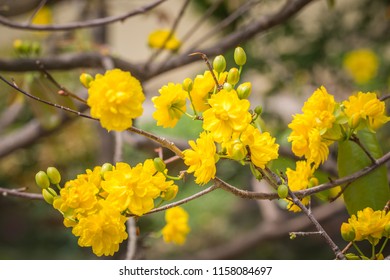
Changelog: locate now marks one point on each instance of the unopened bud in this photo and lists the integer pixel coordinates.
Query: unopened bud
(159, 164)
(170, 193)
(348, 232)
(259, 110)
(233, 76)
(239, 56)
(244, 90)
(227, 87)
(282, 191)
(387, 230)
(106, 167)
(219, 63)
(42, 180)
(54, 175)
(238, 150)
(187, 84)
(48, 195)
(86, 79)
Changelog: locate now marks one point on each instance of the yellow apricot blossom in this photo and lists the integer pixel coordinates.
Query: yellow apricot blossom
(227, 114)
(202, 158)
(115, 98)
(170, 105)
(361, 64)
(158, 37)
(177, 228)
(365, 108)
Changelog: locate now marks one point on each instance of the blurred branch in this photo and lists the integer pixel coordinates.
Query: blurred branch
(82, 24)
(20, 193)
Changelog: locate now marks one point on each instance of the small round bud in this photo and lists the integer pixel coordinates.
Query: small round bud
(227, 87)
(238, 150)
(239, 56)
(106, 167)
(244, 90)
(54, 175)
(347, 232)
(187, 84)
(159, 164)
(282, 191)
(48, 195)
(292, 236)
(259, 110)
(42, 180)
(233, 76)
(387, 230)
(219, 63)
(313, 182)
(86, 79)
(170, 193)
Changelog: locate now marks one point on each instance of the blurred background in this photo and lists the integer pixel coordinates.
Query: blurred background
(343, 45)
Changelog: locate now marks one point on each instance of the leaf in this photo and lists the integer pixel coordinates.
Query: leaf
(371, 190)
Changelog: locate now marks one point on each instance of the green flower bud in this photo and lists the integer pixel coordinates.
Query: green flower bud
(86, 79)
(313, 182)
(170, 193)
(387, 230)
(219, 63)
(351, 256)
(42, 180)
(292, 236)
(159, 164)
(347, 232)
(227, 87)
(106, 167)
(239, 56)
(54, 175)
(48, 195)
(244, 90)
(233, 76)
(187, 84)
(282, 191)
(259, 110)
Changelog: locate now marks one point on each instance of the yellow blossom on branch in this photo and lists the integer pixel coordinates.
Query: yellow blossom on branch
(362, 65)
(170, 105)
(177, 228)
(158, 37)
(365, 109)
(228, 114)
(202, 158)
(115, 98)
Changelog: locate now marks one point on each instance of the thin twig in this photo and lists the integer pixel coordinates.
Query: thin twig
(305, 233)
(83, 24)
(37, 9)
(20, 193)
(132, 239)
(356, 140)
(206, 60)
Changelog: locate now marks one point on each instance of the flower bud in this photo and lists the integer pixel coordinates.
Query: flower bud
(239, 56)
(387, 230)
(259, 110)
(219, 63)
(244, 90)
(233, 76)
(282, 191)
(347, 232)
(86, 79)
(159, 164)
(42, 180)
(106, 167)
(313, 182)
(54, 175)
(48, 195)
(170, 193)
(227, 87)
(238, 150)
(187, 84)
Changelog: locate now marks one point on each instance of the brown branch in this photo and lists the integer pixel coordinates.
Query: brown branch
(20, 193)
(83, 24)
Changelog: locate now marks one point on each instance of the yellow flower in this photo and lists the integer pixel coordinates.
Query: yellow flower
(227, 114)
(369, 224)
(203, 85)
(177, 228)
(299, 179)
(43, 17)
(362, 65)
(170, 105)
(103, 230)
(309, 130)
(365, 107)
(201, 159)
(79, 196)
(115, 99)
(157, 38)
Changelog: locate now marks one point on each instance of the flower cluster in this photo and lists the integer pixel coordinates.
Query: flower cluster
(228, 123)
(162, 38)
(97, 203)
(115, 98)
(362, 65)
(367, 225)
(177, 228)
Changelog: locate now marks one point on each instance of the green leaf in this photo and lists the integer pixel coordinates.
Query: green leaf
(371, 190)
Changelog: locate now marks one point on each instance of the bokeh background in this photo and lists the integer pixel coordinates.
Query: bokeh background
(285, 65)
